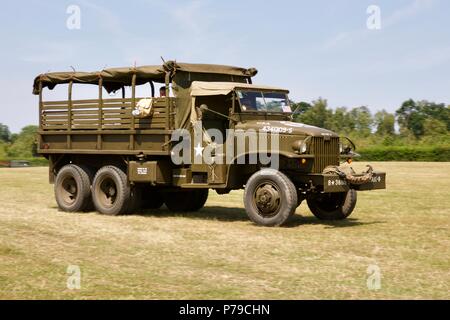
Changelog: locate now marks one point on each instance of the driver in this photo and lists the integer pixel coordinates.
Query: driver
(247, 105)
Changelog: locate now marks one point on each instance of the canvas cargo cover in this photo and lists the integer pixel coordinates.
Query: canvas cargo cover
(113, 79)
(201, 88)
(116, 78)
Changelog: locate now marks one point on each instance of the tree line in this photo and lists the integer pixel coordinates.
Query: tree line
(413, 124)
(18, 145)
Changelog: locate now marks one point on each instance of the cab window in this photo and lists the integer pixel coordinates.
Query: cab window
(263, 101)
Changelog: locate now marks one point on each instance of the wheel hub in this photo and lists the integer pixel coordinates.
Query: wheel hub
(107, 192)
(111, 191)
(69, 190)
(267, 199)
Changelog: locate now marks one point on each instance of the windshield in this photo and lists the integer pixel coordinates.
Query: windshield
(263, 101)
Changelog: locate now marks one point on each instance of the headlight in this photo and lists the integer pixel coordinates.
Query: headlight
(300, 146)
(341, 148)
(303, 148)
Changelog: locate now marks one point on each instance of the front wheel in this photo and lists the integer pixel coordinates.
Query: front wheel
(332, 206)
(270, 198)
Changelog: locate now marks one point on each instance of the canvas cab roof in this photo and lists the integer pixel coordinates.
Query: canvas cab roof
(203, 88)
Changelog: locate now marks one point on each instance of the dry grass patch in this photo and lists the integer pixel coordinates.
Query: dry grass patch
(217, 253)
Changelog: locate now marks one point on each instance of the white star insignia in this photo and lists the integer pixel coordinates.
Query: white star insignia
(199, 150)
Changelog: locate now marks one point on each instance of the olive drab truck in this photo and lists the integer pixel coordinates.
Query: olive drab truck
(117, 154)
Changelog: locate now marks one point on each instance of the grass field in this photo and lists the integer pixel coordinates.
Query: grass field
(217, 253)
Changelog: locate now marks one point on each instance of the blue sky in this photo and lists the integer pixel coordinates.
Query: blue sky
(314, 48)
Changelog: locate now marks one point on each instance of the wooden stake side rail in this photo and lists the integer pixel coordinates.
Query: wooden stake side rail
(95, 115)
(105, 126)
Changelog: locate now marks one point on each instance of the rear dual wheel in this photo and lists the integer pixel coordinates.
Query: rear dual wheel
(111, 192)
(113, 195)
(151, 199)
(73, 188)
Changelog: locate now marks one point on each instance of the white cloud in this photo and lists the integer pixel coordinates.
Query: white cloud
(108, 19)
(412, 61)
(189, 17)
(49, 52)
(409, 11)
(339, 38)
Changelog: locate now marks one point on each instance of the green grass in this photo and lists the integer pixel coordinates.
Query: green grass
(217, 253)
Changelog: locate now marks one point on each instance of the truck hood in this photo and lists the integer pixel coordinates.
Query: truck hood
(285, 127)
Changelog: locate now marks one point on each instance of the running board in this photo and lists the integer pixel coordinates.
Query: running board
(202, 186)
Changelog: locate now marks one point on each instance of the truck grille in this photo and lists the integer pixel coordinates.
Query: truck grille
(326, 153)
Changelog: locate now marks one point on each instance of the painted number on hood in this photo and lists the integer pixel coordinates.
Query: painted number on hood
(276, 129)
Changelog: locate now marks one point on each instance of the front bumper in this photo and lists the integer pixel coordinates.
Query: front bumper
(331, 182)
(334, 183)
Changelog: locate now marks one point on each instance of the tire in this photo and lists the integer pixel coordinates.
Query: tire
(270, 198)
(90, 173)
(72, 189)
(199, 199)
(186, 201)
(151, 199)
(332, 206)
(178, 201)
(135, 202)
(111, 191)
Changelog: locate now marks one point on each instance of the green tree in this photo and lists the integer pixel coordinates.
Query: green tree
(24, 145)
(299, 109)
(434, 127)
(5, 134)
(385, 123)
(338, 121)
(436, 111)
(362, 119)
(3, 152)
(410, 119)
(412, 116)
(318, 115)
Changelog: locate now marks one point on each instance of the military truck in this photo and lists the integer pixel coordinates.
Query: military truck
(116, 155)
